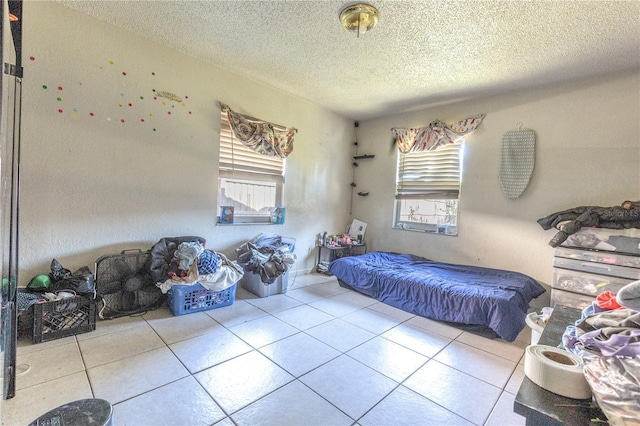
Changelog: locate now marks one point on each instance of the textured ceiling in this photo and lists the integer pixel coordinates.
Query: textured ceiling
(421, 53)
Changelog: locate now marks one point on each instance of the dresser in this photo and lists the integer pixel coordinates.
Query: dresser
(580, 274)
(542, 407)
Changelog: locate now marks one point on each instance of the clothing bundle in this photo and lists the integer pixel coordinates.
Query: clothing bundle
(607, 338)
(185, 261)
(266, 255)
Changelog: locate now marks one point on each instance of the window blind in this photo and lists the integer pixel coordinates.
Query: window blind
(235, 157)
(430, 174)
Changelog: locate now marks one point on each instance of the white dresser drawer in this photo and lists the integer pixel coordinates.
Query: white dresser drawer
(599, 257)
(586, 283)
(573, 300)
(597, 268)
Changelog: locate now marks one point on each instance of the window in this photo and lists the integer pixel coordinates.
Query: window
(249, 181)
(428, 188)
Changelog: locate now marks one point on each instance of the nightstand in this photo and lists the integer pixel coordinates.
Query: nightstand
(329, 254)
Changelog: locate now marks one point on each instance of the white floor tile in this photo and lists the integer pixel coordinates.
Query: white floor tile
(294, 404)
(242, 380)
(503, 414)
(417, 339)
(303, 317)
(513, 385)
(434, 327)
(355, 298)
(512, 351)
(314, 293)
(225, 422)
(205, 351)
(183, 402)
(391, 311)
(375, 322)
(405, 407)
(25, 345)
(340, 334)
(113, 326)
(48, 364)
(299, 354)
(115, 346)
(349, 385)
(349, 352)
(388, 358)
(458, 392)
(479, 364)
(132, 376)
(238, 313)
(336, 306)
(176, 328)
(33, 402)
(263, 331)
(275, 303)
(311, 279)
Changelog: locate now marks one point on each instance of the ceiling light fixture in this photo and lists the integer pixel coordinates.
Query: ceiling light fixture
(359, 18)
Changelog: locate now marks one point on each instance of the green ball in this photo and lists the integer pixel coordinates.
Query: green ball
(40, 281)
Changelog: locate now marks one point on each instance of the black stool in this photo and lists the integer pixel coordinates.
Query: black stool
(84, 412)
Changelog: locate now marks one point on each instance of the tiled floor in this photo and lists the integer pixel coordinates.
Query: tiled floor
(318, 355)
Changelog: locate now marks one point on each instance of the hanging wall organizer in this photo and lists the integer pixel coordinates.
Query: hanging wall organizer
(355, 164)
(518, 159)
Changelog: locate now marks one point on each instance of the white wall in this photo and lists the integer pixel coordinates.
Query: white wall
(93, 185)
(587, 153)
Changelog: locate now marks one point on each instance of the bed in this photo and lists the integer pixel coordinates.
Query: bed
(491, 299)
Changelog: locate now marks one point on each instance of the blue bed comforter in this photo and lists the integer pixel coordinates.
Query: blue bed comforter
(462, 294)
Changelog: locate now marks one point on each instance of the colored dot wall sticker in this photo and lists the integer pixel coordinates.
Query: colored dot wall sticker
(91, 114)
(58, 99)
(122, 120)
(110, 62)
(32, 58)
(141, 97)
(60, 111)
(124, 73)
(60, 88)
(44, 86)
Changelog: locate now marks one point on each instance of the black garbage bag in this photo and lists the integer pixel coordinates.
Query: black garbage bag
(81, 281)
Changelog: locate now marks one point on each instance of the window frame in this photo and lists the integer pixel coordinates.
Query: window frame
(273, 171)
(440, 188)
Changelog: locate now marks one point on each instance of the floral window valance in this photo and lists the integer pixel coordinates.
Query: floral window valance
(261, 136)
(435, 135)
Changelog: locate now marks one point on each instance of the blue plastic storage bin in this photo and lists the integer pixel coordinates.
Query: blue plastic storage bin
(185, 299)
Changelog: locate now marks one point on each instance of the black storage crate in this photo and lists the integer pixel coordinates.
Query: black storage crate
(63, 318)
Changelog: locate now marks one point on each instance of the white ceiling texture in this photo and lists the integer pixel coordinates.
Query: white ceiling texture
(421, 53)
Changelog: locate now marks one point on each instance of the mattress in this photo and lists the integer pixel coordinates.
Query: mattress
(470, 295)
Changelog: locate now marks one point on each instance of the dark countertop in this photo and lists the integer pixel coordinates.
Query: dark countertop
(542, 407)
